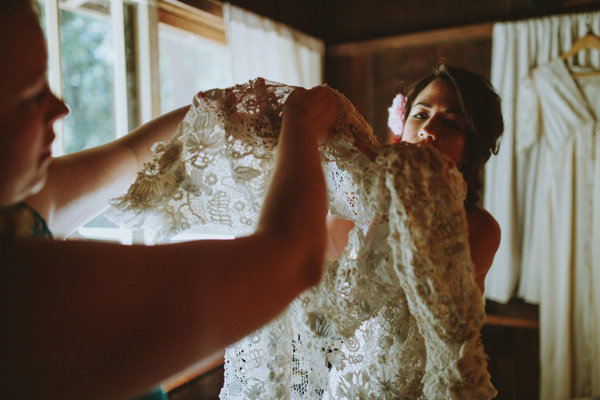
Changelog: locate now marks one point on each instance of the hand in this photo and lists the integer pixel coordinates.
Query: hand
(316, 109)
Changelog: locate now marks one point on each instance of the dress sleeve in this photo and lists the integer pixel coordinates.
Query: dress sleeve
(528, 114)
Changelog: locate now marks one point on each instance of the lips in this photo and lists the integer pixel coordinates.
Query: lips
(48, 146)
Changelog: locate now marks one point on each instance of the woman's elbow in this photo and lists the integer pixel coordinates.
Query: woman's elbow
(307, 254)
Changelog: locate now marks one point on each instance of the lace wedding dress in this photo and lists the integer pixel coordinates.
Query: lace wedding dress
(396, 316)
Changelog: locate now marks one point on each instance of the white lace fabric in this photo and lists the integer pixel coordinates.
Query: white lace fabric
(398, 315)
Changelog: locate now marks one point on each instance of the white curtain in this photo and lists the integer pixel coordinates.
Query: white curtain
(528, 264)
(264, 48)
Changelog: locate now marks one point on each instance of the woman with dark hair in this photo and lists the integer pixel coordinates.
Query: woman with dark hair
(457, 112)
(480, 109)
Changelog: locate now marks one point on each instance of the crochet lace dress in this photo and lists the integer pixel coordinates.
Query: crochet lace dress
(398, 315)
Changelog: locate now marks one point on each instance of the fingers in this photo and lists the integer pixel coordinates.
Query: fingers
(316, 101)
(315, 109)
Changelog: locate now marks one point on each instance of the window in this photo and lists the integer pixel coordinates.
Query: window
(87, 59)
(118, 63)
(193, 54)
(189, 64)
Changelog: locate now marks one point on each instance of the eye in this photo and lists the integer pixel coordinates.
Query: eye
(452, 124)
(420, 115)
(39, 97)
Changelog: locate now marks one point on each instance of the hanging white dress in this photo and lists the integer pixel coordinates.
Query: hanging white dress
(517, 47)
(397, 316)
(557, 133)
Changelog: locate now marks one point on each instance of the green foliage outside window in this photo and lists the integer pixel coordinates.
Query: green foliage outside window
(88, 79)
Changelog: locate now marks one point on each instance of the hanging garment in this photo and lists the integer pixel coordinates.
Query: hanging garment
(518, 47)
(397, 315)
(557, 133)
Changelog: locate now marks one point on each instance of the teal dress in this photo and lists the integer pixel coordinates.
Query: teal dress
(156, 394)
(22, 221)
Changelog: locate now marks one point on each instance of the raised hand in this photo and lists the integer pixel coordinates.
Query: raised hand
(315, 110)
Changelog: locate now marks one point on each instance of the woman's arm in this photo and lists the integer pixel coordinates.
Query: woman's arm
(97, 320)
(80, 184)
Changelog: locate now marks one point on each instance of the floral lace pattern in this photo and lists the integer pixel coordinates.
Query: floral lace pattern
(396, 316)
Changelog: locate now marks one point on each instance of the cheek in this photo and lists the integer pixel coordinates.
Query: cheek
(410, 133)
(454, 147)
(22, 141)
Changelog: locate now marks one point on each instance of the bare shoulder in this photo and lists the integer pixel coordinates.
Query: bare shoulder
(484, 240)
(483, 226)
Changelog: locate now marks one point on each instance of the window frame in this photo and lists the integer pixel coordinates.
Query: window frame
(206, 21)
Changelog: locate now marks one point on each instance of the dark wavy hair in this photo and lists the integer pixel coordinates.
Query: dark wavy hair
(480, 105)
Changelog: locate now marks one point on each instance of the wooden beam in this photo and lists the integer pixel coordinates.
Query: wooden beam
(455, 34)
(193, 20)
(213, 7)
(193, 13)
(192, 26)
(511, 322)
(578, 3)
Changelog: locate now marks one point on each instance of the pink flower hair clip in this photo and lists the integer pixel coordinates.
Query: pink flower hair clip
(396, 116)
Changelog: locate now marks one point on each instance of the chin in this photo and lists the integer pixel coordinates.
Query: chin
(37, 185)
(40, 184)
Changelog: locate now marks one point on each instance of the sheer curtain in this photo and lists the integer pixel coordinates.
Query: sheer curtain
(525, 53)
(264, 48)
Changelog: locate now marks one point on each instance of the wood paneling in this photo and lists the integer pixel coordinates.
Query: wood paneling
(513, 361)
(351, 69)
(438, 36)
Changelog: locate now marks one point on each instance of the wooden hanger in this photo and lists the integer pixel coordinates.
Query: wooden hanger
(589, 41)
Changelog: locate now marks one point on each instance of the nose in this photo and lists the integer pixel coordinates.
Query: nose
(58, 110)
(428, 132)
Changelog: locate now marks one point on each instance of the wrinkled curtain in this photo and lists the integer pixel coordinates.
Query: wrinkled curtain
(264, 48)
(525, 265)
